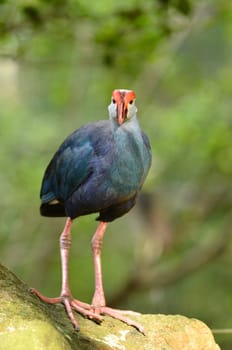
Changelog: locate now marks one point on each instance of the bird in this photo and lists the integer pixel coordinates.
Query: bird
(99, 168)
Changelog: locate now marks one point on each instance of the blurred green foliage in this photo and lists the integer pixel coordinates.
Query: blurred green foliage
(59, 61)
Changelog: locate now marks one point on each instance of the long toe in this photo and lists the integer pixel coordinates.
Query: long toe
(44, 298)
(120, 315)
(68, 306)
(85, 310)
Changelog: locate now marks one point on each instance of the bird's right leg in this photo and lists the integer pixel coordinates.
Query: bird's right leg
(99, 303)
(65, 295)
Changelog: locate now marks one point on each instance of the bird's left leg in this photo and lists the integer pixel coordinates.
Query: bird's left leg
(98, 301)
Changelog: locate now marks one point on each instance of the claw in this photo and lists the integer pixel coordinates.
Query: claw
(120, 315)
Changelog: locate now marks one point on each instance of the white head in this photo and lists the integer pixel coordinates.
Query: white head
(122, 107)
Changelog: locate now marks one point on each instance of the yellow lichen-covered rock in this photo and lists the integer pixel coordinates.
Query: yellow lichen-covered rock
(27, 323)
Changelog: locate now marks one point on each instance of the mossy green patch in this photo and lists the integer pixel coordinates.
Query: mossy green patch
(28, 323)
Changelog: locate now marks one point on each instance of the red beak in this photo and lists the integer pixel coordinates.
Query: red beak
(121, 113)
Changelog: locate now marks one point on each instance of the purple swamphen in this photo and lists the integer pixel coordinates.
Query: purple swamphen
(100, 167)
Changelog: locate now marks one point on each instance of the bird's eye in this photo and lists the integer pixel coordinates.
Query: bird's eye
(113, 100)
(131, 101)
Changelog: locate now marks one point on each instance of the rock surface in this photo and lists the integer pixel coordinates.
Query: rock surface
(27, 323)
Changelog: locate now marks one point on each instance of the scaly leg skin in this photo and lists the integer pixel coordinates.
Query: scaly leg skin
(65, 296)
(98, 302)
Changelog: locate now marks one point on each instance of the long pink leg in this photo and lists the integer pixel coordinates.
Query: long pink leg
(98, 301)
(65, 295)
(96, 243)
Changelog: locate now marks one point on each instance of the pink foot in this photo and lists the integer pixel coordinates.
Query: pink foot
(69, 303)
